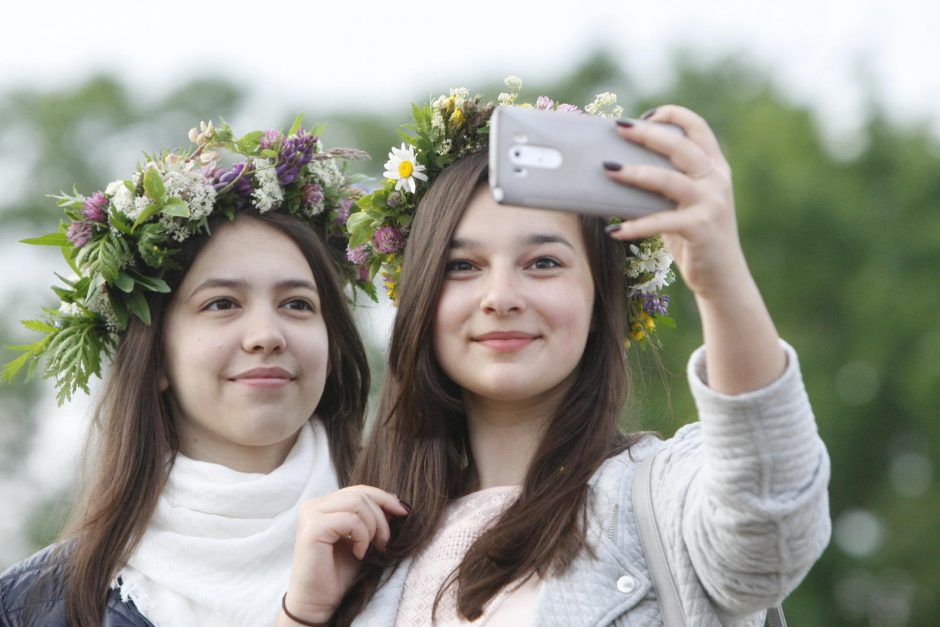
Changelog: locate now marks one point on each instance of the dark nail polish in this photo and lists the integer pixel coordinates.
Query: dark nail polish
(624, 123)
(648, 114)
(613, 166)
(405, 505)
(612, 228)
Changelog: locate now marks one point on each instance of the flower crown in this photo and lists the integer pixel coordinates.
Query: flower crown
(454, 126)
(121, 242)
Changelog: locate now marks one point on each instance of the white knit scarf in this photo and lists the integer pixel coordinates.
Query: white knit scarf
(219, 546)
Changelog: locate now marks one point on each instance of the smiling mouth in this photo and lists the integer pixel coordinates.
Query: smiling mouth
(264, 377)
(506, 342)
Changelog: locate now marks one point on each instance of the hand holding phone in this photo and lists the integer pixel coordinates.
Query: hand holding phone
(553, 160)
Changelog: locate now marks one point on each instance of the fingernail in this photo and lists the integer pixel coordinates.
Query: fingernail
(613, 166)
(648, 113)
(612, 228)
(624, 123)
(405, 505)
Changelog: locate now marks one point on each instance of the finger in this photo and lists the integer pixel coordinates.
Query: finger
(346, 498)
(682, 152)
(694, 125)
(661, 222)
(673, 185)
(378, 522)
(340, 527)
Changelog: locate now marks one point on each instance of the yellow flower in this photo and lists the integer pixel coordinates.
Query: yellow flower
(456, 118)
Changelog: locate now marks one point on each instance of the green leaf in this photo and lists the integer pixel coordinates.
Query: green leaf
(119, 309)
(14, 366)
(249, 142)
(124, 283)
(137, 304)
(146, 214)
(39, 326)
(52, 239)
(269, 154)
(153, 187)
(177, 208)
(296, 125)
(153, 284)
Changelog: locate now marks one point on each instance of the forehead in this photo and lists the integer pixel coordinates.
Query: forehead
(248, 248)
(486, 221)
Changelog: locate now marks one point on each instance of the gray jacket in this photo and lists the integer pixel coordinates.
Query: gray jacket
(741, 500)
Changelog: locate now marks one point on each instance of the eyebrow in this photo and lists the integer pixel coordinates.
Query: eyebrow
(286, 284)
(536, 239)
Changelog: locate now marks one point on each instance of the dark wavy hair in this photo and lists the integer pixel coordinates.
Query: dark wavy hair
(419, 448)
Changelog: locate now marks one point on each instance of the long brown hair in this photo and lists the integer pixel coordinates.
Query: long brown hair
(135, 438)
(419, 448)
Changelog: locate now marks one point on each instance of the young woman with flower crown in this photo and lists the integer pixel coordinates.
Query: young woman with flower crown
(499, 417)
(236, 394)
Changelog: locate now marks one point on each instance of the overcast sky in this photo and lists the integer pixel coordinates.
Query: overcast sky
(368, 54)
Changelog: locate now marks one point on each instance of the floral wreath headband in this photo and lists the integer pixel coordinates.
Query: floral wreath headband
(121, 242)
(442, 132)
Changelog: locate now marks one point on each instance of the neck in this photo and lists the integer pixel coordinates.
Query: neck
(243, 458)
(504, 436)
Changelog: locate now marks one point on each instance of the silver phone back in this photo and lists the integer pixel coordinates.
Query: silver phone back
(572, 178)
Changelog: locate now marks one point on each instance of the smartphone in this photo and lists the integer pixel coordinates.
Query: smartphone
(553, 160)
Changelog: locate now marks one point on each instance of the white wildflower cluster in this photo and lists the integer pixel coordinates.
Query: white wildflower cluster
(652, 260)
(175, 229)
(514, 83)
(194, 188)
(121, 197)
(268, 194)
(99, 303)
(445, 147)
(326, 172)
(605, 105)
(69, 309)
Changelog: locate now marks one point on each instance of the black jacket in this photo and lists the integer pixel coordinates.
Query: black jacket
(27, 599)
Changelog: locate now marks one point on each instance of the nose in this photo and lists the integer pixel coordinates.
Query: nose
(263, 332)
(501, 292)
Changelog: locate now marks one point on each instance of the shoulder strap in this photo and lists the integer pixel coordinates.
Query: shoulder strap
(667, 591)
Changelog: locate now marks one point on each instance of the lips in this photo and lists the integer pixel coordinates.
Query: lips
(270, 376)
(505, 341)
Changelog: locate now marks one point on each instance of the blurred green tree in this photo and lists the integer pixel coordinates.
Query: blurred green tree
(844, 244)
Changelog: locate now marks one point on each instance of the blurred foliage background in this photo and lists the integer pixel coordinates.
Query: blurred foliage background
(842, 235)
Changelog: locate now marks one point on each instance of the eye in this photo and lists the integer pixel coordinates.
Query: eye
(300, 304)
(221, 304)
(545, 263)
(458, 265)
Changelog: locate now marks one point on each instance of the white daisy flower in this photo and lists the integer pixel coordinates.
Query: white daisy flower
(403, 167)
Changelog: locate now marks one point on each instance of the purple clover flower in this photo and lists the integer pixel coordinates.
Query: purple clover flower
(656, 305)
(342, 213)
(296, 152)
(313, 195)
(269, 139)
(387, 239)
(94, 208)
(570, 108)
(544, 102)
(79, 233)
(358, 255)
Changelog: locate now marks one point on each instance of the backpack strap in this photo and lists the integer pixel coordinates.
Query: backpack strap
(667, 590)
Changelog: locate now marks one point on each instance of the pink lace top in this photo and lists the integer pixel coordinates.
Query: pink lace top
(463, 522)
